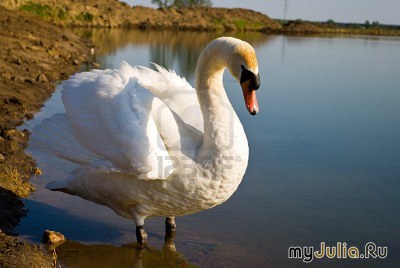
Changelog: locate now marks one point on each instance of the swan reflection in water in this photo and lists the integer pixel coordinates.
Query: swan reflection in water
(75, 254)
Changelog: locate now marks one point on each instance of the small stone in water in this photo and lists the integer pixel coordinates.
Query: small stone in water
(52, 237)
(95, 65)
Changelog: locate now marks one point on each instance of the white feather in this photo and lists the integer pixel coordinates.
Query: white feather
(175, 92)
(137, 135)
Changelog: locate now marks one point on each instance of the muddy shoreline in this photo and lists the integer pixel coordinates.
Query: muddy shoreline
(34, 55)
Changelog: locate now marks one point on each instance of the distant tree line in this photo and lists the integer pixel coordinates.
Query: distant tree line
(367, 25)
(182, 3)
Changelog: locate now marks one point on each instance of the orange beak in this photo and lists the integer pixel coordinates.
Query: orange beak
(250, 97)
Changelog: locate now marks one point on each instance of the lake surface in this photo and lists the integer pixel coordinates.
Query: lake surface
(324, 159)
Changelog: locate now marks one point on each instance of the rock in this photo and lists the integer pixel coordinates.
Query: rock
(52, 237)
(37, 171)
(17, 61)
(95, 65)
(12, 134)
(13, 100)
(42, 78)
(29, 116)
(9, 133)
(28, 80)
(1, 159)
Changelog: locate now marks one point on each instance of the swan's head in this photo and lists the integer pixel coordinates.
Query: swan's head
(244, 68)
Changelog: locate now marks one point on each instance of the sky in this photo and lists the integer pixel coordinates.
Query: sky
(384, 11)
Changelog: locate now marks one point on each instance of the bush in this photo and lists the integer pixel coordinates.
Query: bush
(86, 16)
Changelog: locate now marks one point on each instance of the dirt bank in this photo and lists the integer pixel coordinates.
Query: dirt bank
(113, 13)
(33, 56)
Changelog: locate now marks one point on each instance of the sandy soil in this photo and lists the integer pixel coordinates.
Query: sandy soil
(34, 55)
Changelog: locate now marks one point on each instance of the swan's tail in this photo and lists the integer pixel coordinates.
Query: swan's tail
(61, 186)
(55, 136)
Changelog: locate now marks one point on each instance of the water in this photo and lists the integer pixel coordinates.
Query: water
(324, 159)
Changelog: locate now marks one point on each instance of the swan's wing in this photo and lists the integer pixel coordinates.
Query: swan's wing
(109, 114)
(175, 92)
(55, 135)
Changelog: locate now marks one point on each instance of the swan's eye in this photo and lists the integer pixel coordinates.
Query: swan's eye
(248, 75)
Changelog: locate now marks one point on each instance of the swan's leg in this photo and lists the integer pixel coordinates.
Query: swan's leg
(141, 235)
(169, 241)
(170, 225)
(170, 231)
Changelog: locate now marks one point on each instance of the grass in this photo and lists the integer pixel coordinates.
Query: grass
(13, 181)
(85, 16)
(62, 14)
(42, 11)
(242, 24)
(45, 11)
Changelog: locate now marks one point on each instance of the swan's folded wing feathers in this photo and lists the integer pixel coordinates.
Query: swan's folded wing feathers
(108, 113)
(174, 91)
(54, 135)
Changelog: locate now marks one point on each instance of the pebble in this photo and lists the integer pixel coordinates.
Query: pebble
(52, 237)
(28, 80)
(95, 65)
(17, 61)
(10, 132)
(42, 78)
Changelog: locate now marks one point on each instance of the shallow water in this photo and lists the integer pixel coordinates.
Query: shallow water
(324, 159)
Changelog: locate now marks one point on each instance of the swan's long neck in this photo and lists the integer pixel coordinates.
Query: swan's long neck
(223, 132)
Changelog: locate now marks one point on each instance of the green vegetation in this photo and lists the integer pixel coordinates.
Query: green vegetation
(243, 24)
(85, 16)
(219, 23)
(182, 3)
(240, 24)
(62, 14)
(42, 11)
(332, 27)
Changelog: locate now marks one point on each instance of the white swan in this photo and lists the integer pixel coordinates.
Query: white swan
(147, 143)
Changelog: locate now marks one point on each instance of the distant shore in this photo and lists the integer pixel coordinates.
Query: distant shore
(338, 28)
(113, 14)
